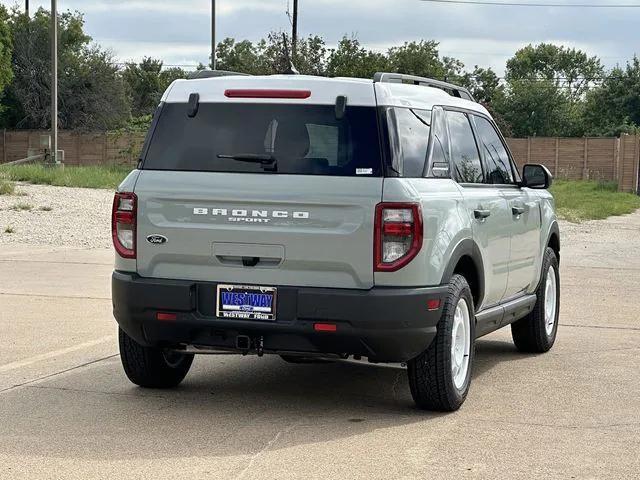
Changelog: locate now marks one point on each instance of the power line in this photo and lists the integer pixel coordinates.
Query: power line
(514, 4)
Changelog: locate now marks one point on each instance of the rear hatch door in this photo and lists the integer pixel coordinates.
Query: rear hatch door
(266, 191)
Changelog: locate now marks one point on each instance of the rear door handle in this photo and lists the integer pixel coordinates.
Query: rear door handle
(481, 214)
(517, 210)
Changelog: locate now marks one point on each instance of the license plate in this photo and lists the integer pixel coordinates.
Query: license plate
(246, 302)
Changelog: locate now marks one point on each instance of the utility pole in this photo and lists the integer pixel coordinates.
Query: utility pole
(26, 7)
(294, 32)
(54, 81)
(213, 34)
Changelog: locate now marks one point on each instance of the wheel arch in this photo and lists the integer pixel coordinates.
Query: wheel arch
(466, 260)
(553, 239)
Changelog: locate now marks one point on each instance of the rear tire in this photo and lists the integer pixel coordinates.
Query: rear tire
(152, 367)
(439, 378)
(536, 333)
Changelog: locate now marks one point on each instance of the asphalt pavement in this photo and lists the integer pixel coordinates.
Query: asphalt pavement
(68, 411)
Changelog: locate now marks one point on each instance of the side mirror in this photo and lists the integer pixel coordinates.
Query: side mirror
(536, 176)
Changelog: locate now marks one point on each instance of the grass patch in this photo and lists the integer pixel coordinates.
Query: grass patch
(82, 177)
(6, 188)
(21, 206)
(9, 230)
(577, 201)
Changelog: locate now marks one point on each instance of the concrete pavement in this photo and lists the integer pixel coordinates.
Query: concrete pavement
(68, 411)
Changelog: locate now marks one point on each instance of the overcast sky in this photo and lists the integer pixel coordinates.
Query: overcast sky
(178, 31)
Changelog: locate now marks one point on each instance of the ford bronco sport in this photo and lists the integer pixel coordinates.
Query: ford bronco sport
(330, 218)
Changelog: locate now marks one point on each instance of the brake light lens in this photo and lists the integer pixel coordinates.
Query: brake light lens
(397, 236)
(123, 223)
(249, 93)
(325, 327)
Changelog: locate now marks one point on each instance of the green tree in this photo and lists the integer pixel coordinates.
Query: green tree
(6, 49)
(266, 57)
(423, 59)
(614, 108)
(311, 56)
(350, 59)
(484, 84)
(567, 68)
(169, 75)
(242, 57)
(142, 82)
(91, 91)
(546, 89)
(537, 108)
(275, 54)
(146, 82)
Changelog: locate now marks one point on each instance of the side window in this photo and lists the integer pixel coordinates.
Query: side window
(464, 151)
(439, 160)
(413, 134)
(496, 158)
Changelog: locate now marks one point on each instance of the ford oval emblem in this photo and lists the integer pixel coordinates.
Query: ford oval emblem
(157, 239)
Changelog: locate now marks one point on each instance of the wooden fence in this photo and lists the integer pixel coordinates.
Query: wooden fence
(611, 159)
(79, 148)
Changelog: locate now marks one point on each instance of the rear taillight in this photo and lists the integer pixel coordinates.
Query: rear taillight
(398, 235)
(123, 224)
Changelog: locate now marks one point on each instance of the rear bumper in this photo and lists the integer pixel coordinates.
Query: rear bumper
(384, 324)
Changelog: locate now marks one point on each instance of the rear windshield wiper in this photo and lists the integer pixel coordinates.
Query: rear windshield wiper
(267, 161)
(250, 157)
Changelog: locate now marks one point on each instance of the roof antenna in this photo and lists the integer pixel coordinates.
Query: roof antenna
(292, 70)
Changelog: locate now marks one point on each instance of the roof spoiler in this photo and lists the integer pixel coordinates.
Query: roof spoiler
(450, 88)
(199, 74)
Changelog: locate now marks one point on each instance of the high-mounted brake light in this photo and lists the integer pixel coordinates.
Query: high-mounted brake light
(123, 223)
(246, 93)
(397, 235)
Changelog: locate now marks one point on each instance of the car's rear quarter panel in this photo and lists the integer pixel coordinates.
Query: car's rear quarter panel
(443, 229)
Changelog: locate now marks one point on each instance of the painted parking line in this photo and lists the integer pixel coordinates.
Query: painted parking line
(57, 353)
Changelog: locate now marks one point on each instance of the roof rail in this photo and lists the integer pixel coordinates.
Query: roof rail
(198, 74)
(450, 88)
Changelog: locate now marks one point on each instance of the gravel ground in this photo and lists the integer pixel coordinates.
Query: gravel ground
(79, 217)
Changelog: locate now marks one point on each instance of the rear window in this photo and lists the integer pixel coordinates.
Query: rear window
(266, 138)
